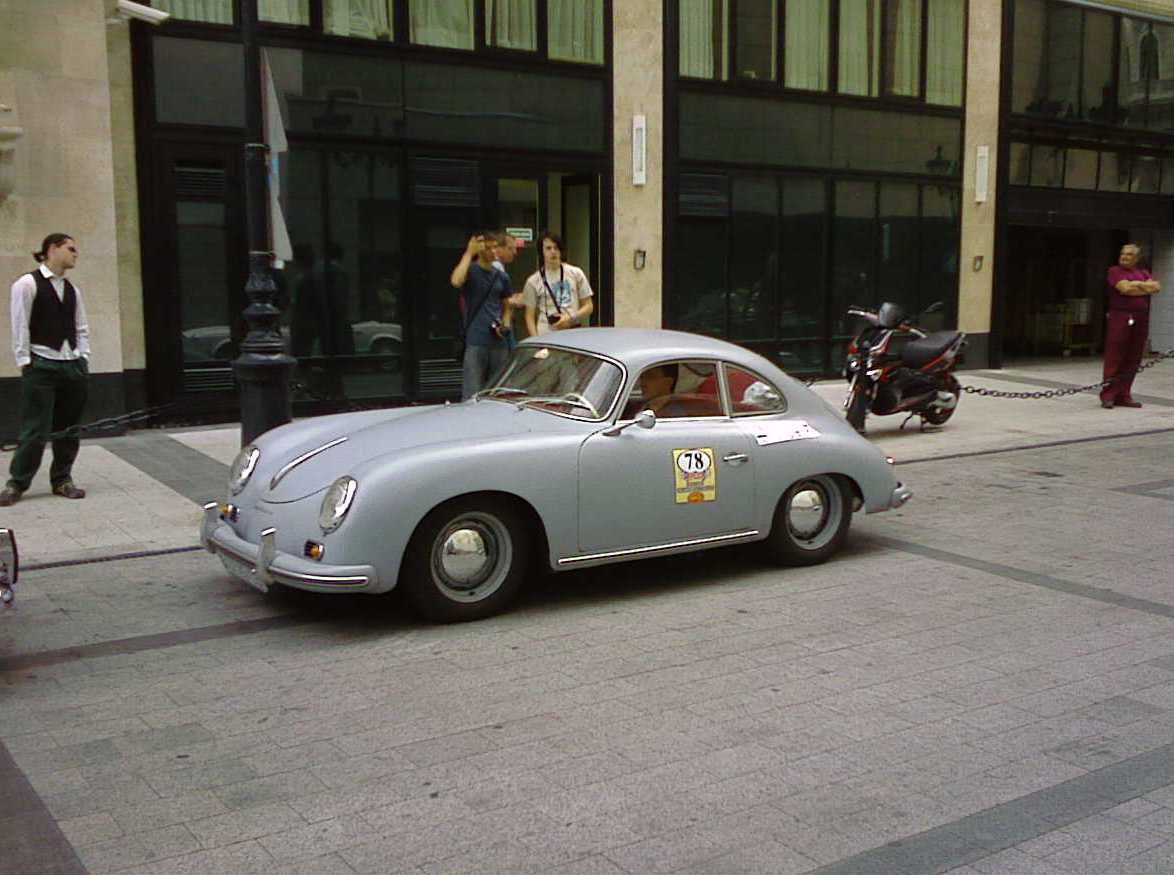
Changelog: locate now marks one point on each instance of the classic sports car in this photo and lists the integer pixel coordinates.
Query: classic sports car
(594, 445)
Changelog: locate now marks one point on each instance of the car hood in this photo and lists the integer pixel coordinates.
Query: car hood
(365, 440)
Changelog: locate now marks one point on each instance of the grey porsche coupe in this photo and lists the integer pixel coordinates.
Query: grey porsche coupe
(591, 446)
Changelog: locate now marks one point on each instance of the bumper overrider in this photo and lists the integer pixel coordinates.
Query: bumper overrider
(264, 566)
(901, 494)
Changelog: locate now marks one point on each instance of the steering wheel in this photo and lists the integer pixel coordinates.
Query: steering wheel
(579, 401)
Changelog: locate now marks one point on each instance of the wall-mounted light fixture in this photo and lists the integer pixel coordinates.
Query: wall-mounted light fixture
(977, 263)
(638, 259)
(639, 150)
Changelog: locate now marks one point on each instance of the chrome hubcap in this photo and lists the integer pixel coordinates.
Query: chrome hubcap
(471, 557)
(807, 514)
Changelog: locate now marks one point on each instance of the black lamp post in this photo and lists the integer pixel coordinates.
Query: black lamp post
(263, 369)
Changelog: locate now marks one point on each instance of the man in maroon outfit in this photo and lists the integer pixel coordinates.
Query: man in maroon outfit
(1128, 329)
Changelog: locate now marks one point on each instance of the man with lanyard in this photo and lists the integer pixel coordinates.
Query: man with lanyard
(559, 290)
(1130, 288)
(482, 289)
(51, 341)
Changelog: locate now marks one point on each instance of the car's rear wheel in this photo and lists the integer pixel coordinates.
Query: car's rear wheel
(466, 560)
(811, 521)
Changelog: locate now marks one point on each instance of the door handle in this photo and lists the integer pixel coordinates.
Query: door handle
(735, 458)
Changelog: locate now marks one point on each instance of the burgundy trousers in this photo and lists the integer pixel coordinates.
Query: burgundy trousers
(1124, 347)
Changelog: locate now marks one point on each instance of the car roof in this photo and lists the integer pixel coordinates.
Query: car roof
(639, 347)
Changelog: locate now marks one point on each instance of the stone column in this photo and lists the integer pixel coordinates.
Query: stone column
(975, 287)
(638, 89)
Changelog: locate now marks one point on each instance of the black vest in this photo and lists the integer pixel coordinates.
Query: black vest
(53, 321)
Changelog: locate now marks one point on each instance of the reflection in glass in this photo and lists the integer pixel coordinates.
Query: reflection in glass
(903, 47)
(940, 242)
(366, 19)
(284, 11)
(1168, 176)
(1114, 172)
(1146, 77)
(1081, 169)
(210, 11)
(805, 55)
(853, 251)
(215, 97)
(546, 375)
(1028, 48)
(1020, 173)
(1144, 174)
(700, 301)
(755, 31)
(860, 41)
(1062, 94)
(202, 271)
(754, 258)
(1047, 166)
(700, 42)
(945, 52)
(869, 139)
(575, 30)
(897, 264)
(802, 277)
(510, 24)
(1097, 58)
(444, 23)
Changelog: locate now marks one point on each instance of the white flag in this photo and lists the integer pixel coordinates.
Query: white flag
(278, 146)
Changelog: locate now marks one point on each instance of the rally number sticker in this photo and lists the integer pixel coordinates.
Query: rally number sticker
(695, 475)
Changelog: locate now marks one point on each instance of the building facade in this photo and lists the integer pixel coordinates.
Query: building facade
(741, 168)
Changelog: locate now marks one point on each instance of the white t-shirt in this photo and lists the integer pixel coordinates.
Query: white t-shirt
(569, 292)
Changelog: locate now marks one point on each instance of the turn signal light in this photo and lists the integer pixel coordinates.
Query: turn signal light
(314, 550)
(229, 512)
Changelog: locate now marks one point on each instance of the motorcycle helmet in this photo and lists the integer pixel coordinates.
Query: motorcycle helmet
(890, 315)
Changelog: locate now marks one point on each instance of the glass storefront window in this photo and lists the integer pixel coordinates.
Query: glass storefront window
(1047, 166)
(215, 97)
(903, 47)
(1028, 52)
(510, 24)
(443, 23)
(366, 19)
(940, 238)
(755, 33)
(208, 11)
(1168, 176)
(754, 257)
(1147, 74)
(897, 262)
(805, 52)
(853, 252)
(802, 286)
(295, 12)
(575, 30)
(1145, 171)
(1114, 172)
(701, 43)
(860, 44)
(1080, 171)
(1097, 59)
(945, 52)
(1020, 172)
(867, 139)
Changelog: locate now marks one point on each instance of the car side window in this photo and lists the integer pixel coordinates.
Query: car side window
(751, 394)
(676, 390)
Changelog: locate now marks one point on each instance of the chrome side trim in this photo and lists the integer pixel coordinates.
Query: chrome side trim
(304, 457)
(656, 548)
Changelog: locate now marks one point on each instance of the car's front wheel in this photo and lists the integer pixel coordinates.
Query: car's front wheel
(811, 521)
(466, 560)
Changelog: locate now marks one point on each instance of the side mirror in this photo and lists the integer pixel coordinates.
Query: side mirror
(935, 307)
(9, 565)
(644, 419)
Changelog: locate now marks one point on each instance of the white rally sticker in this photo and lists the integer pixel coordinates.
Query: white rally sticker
(780, 432)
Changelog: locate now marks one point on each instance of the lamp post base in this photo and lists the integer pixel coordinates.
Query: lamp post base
(264, 392)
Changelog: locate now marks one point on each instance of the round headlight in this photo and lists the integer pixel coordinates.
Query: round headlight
(336, 502)
(242, 468)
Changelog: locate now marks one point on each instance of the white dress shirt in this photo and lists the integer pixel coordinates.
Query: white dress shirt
(24, 291)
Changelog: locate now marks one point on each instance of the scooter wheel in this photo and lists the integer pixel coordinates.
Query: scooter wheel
(937, 416)
(858, 409)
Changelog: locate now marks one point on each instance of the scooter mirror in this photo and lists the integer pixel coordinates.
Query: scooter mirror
(935, 307)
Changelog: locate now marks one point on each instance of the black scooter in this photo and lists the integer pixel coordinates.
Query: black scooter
(894, 367)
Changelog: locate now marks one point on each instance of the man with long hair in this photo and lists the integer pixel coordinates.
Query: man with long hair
(51, 342)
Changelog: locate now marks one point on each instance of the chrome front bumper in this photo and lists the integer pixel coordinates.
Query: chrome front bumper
(263, 566)
(900, 495)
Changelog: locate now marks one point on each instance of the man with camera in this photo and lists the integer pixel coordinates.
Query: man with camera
(482, 288)
(557, 295)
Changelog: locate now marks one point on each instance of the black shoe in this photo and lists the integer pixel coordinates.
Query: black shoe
(10, 496)
(66, 489)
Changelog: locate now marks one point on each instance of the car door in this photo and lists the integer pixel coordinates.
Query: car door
(690, 476)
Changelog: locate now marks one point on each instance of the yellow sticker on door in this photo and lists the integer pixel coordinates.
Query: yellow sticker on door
(695, 475)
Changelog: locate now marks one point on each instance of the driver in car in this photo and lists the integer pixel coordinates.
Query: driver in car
(656, 387)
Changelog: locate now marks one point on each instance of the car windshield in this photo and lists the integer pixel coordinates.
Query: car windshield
(559, 380)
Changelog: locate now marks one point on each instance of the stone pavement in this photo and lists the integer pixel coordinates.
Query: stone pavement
(982, 683)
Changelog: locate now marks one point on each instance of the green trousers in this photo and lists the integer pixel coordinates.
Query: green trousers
(52, 395)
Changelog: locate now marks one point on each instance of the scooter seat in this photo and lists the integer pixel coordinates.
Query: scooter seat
(920, 352)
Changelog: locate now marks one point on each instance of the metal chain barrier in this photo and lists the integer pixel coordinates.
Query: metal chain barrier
(110, 423)
(1060, 393)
